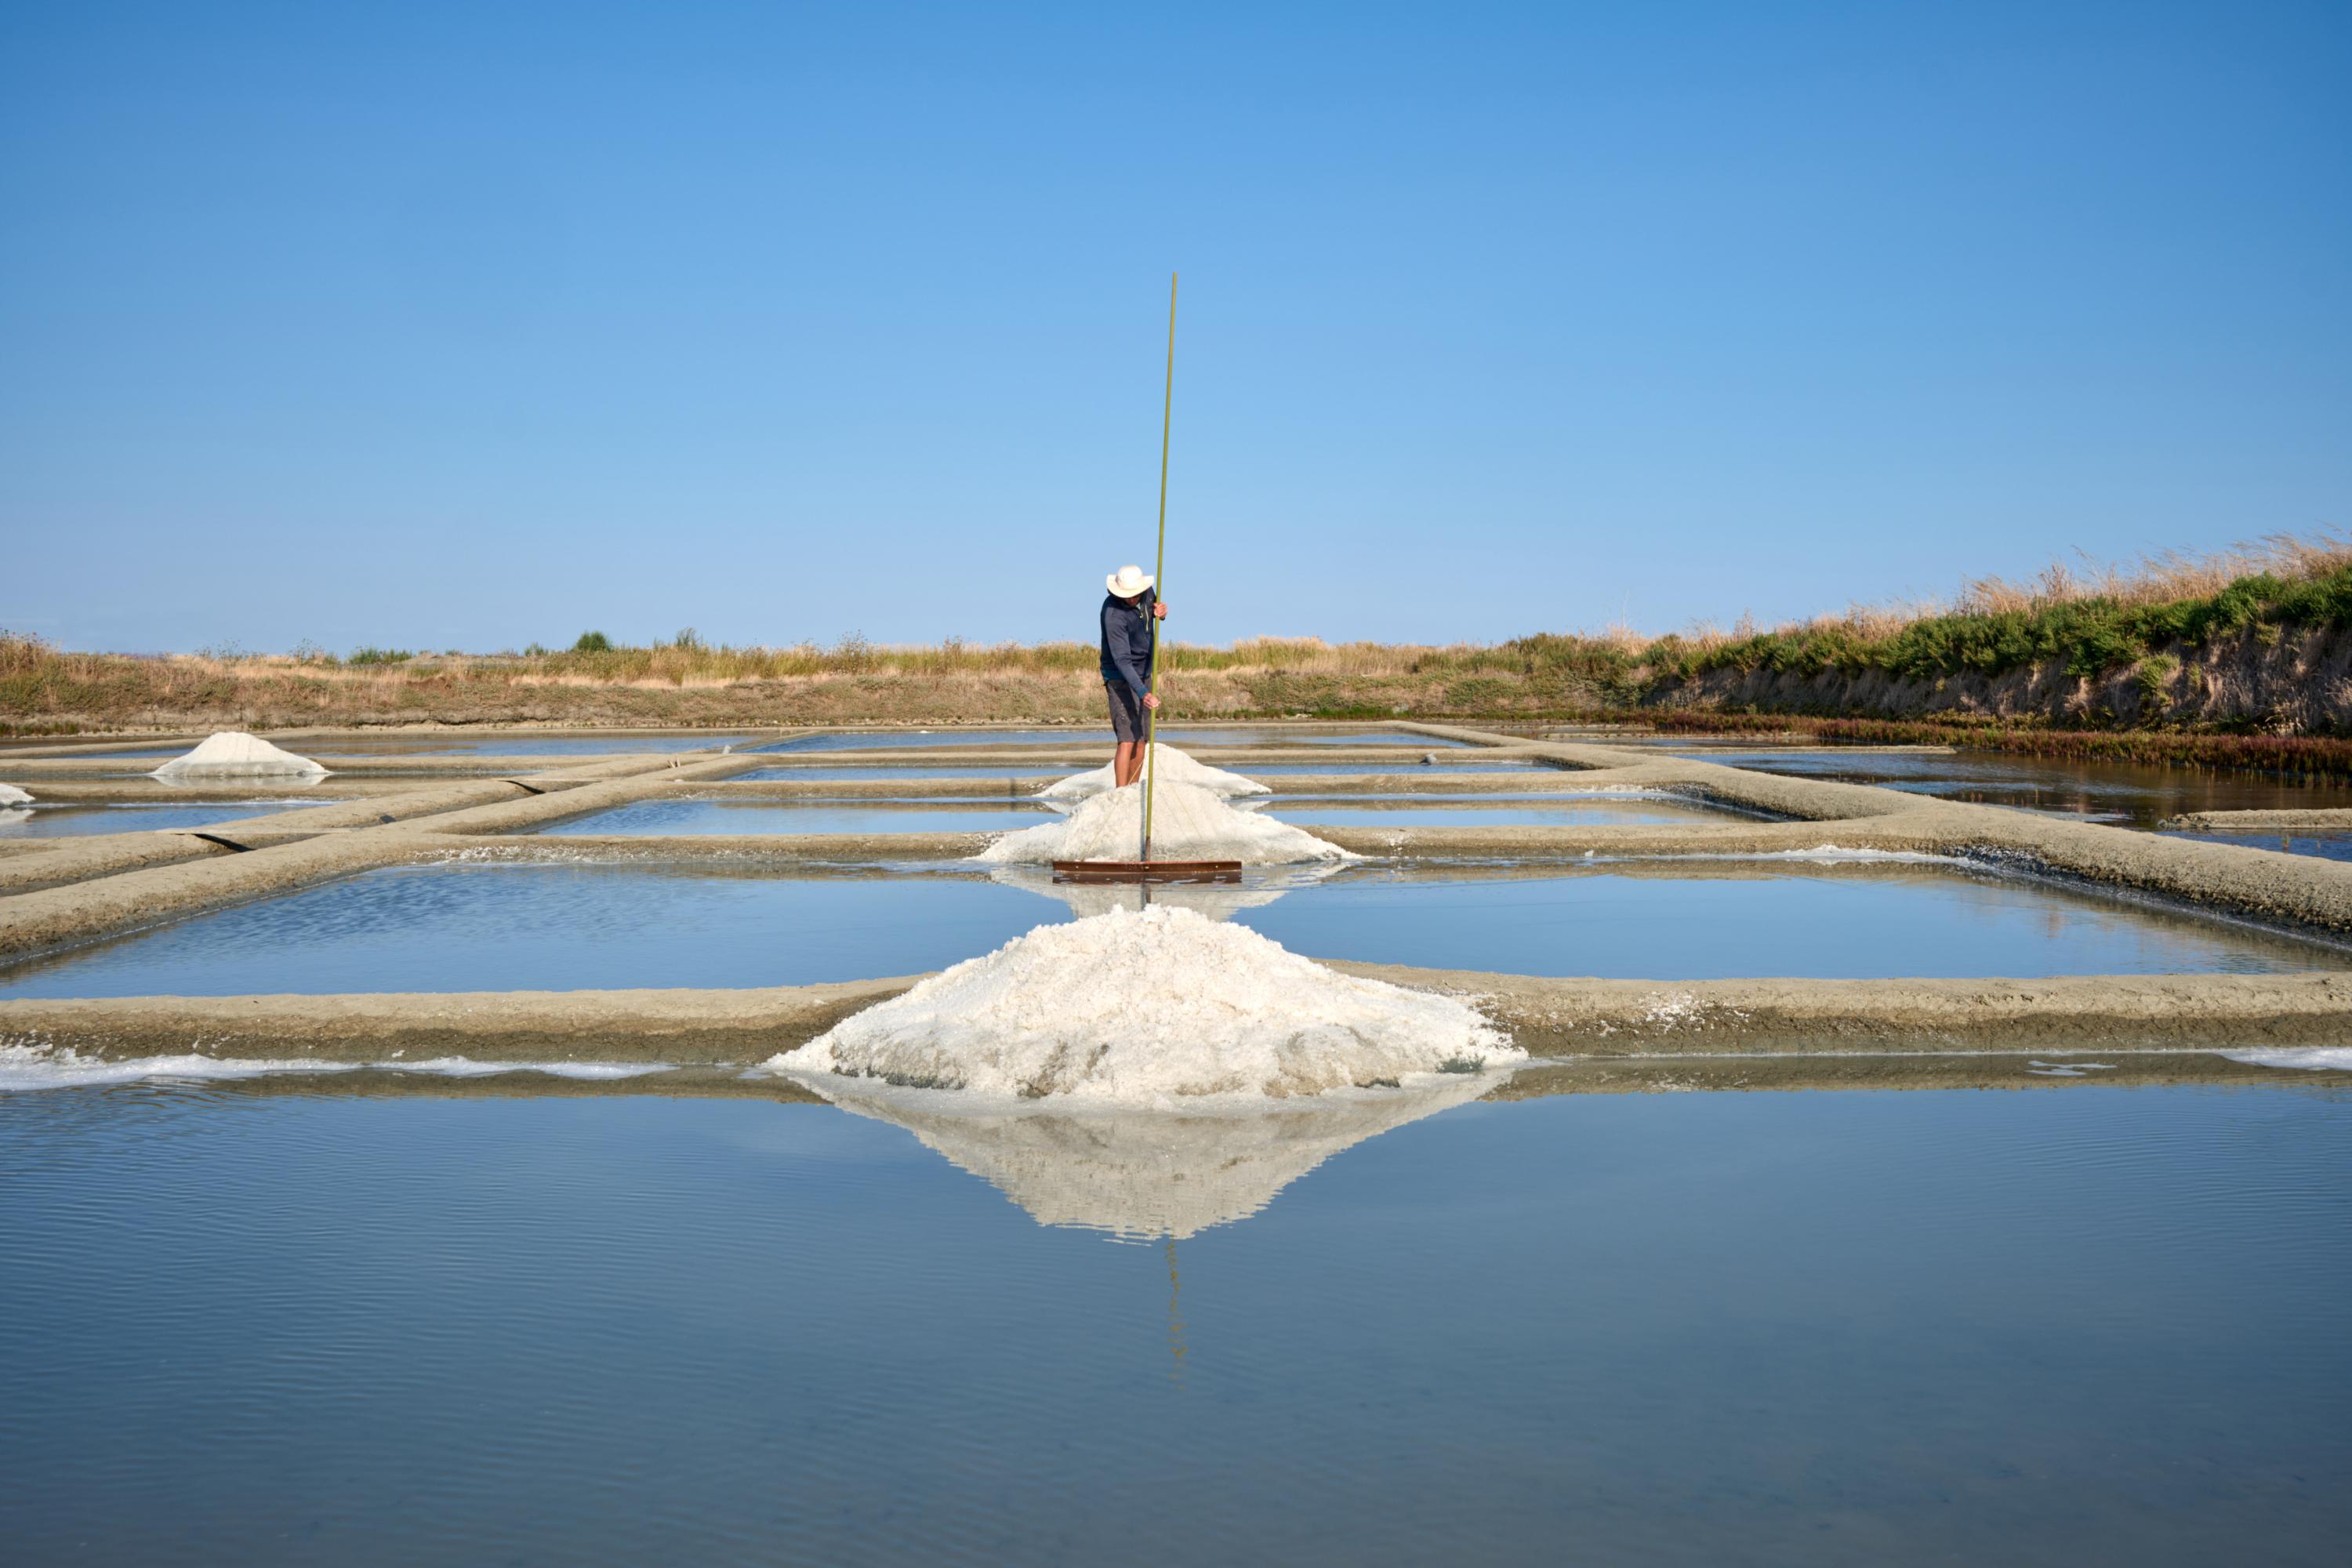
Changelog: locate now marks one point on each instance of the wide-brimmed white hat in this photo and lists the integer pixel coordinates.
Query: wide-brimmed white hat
(1128, 582)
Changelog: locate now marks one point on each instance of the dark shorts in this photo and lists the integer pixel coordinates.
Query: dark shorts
(1126, 711)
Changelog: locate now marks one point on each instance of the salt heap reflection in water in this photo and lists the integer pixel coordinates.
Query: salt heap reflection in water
(1150, 1071)
(1148, 1174)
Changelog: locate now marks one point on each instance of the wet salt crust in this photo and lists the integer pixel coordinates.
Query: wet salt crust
(11, 796)
(1170, 765)
(2306, 1058)
(1162, 1007)
(233, 753)
(24, 1068)
(1188, 822)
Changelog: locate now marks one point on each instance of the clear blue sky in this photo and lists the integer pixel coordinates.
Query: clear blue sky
(470, 324)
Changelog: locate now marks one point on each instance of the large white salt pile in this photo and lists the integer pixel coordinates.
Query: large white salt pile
(11, 796)
(1155, 1008)
(234, 754)
(1170, 765)
(1146, 1173)
(1188, 822)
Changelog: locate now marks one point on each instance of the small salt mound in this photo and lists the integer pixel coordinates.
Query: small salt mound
(234, 754)
(1156, 1008)
(11, 796)
(1169, 767)
(1188, 822)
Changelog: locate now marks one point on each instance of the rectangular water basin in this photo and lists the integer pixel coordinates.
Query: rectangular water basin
(2326, 846)
(2125, 792)
(497, 745)
(1055, 771)
(725, 816)
(1175, 735)
(2071, 1325)
(1544, 811)
(562, 926)
(152, 756)
(998, 770)
(1452, 763)
(75, 819)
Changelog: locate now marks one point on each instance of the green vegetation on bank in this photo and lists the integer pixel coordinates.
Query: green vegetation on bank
(2085, 636)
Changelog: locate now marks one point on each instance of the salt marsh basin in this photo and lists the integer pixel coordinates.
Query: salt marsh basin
(1842, 1210)
(556, 926)
(2049, 1327)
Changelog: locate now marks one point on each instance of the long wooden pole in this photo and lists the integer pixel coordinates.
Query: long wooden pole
(1158, 570)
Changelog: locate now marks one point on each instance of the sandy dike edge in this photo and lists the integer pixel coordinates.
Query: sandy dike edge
(1555, 1018)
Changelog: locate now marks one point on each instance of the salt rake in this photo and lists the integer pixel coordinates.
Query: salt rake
(1144, 869)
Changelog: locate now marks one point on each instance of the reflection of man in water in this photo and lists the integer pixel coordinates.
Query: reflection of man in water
(1128, 612)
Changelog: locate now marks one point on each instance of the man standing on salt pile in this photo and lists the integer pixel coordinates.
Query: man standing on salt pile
(1128, 612)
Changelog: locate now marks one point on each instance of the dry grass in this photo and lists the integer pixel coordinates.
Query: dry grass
(686, 681)
(2162, 578)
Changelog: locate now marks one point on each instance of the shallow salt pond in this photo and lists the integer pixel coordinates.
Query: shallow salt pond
(1433, 811)
(1839, 1330)
(2326, 846)
(2123, 792)
(1047, 772)
(497, 745)
(153, 756)
(996, 814)
(1450, 763)
(74, 819)
(560, 926)
(1174, 735)
(722, 817)
(397, 745)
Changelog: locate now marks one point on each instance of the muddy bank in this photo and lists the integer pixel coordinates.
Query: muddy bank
(2260, 822)
(2286, 680)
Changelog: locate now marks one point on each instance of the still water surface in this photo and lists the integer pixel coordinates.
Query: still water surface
(1048, 771)
(2326, 846)
(2124, 793)
(497, 745)
(1175, 735)
(1557, 811)
(564, 927)
(74, 821)
(728, 816)
(2071, 1325)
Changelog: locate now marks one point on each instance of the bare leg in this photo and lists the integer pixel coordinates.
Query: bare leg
(1127, 765)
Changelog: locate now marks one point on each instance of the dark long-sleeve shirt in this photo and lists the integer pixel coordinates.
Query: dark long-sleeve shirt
(1127, 640)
